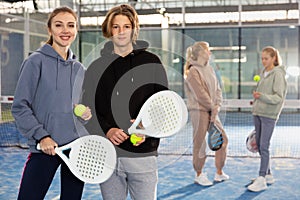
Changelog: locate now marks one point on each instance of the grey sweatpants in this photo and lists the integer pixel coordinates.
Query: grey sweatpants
(137, 175)
(264, 128)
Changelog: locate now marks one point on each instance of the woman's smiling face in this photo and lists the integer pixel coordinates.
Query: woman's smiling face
(63, 29)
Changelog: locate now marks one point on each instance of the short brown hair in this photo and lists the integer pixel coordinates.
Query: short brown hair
(56, 11)
(125, 10)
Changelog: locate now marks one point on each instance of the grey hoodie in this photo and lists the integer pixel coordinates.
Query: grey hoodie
(273, 89)
(47, 89)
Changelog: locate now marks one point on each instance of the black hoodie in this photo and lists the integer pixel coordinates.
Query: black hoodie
(116, 88)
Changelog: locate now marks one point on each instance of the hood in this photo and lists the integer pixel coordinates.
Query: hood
(195, 63)
(48, 50)
(279, 68)
(108, 48)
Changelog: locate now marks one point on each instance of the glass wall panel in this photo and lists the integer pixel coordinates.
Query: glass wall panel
(236, 62)
(18, 37)
(225, 55)
(285, 39)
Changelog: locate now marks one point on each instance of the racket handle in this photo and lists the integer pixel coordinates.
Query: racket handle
(38, 147)
(132, 130)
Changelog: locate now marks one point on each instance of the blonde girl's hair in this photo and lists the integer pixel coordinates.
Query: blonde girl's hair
(125, 10)
(56, 11)
(192, 53)
(187, 64)
(197, 47)
(273, 53)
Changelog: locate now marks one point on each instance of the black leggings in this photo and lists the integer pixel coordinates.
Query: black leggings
(38, 174)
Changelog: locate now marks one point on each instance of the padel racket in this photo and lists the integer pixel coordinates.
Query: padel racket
(251, 142)
(90, 158)
(215, 137)
(162, 115)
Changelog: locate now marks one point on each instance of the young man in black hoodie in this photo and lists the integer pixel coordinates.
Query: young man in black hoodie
(116, 86)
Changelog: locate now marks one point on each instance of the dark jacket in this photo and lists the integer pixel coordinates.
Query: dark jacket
(47, 89)
(116, 88)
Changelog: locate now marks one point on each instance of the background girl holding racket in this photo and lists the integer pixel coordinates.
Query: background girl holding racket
(123, 78)
(267, 105)
(204, 98)
(43, 108)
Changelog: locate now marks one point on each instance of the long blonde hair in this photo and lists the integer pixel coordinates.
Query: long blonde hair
(192, 53)
(187, 64)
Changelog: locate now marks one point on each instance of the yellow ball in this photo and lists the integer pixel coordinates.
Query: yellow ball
(134, 139)
(256, 78)
(79, 110)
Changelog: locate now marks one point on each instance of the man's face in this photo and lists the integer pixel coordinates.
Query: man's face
(122, 31)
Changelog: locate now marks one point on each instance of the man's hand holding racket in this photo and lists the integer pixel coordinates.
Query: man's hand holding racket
(162, 115)
(140, 138)
(116, 136)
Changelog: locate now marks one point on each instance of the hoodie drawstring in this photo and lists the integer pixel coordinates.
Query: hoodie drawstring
(131, 67)
(57, 68)
(70, 78)
(72, 65)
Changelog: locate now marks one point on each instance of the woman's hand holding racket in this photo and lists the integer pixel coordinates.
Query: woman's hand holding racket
(214, 113)
(48, 145)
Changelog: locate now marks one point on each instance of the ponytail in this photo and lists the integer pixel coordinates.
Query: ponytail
(187, 64)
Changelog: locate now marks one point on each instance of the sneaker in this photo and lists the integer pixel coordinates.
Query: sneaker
(270, 179)
(202, 180)
(258, 185)
(222, 177)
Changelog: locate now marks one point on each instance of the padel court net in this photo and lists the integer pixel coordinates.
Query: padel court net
(237, 120)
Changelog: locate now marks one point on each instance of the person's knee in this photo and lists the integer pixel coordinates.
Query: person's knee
(225, 141)
(202, 154)
(202, 150)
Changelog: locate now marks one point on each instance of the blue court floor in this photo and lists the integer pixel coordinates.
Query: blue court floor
(176, 179)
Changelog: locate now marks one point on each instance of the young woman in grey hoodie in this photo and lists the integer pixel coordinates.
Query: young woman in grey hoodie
(48, 88)
(267, 105)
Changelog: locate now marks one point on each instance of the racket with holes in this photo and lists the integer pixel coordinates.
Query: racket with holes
(215, 137)
(91, 158)
(162, 115)
(251, 142)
